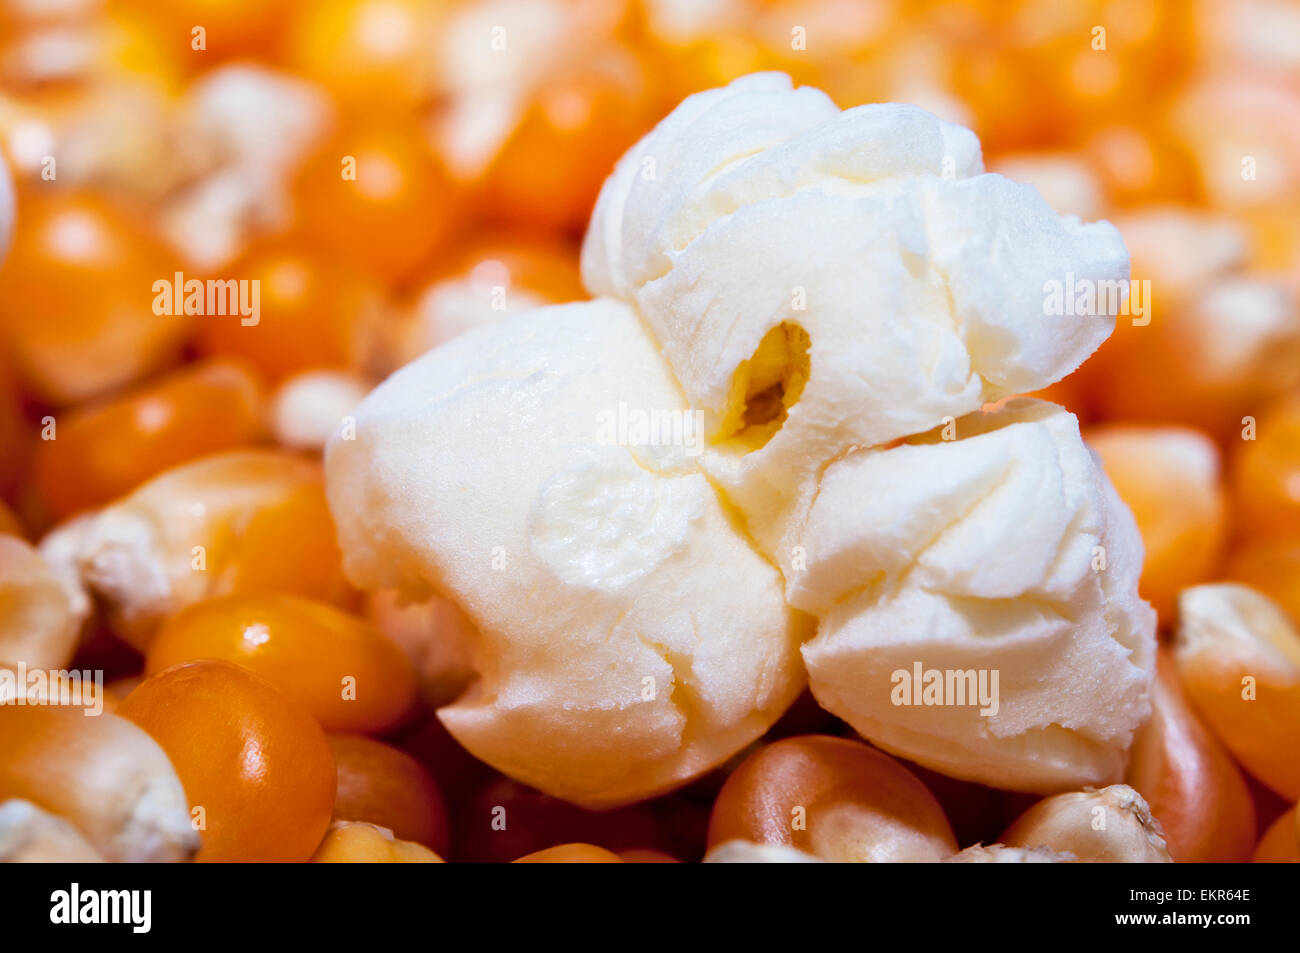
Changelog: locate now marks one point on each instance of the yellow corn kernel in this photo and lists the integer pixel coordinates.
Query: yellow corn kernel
(248, 521)
(356, 842)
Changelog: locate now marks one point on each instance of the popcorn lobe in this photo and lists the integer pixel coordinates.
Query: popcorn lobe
(1005, 551)
(628, 637)
(916, 279)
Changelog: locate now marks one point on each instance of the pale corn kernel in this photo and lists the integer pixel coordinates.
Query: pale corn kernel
(357, 842)
(1110, 825)
(238, 522)
(1238, 655)
(30, 835)
(102, 774)
(747, 852)
(39, 620)
(1002, 854)
(309, 408)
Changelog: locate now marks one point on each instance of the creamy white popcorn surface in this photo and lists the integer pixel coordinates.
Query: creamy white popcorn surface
(1005, 555)
(823, 279)
(629, 637)
(820, 302)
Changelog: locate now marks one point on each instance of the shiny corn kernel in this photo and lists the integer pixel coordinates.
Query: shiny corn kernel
(378, 198)
(339, 668)
(256, 767)
(76, 298)
(312, 309)
(369, 53)
(837, 799)
(550, 169)
(104, 451)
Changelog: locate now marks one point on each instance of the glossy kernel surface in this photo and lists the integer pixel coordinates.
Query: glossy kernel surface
(335, 665)
(255, 765)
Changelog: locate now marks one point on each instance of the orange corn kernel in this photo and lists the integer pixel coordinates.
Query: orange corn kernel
(76, 298)
(39, 619)
(1169, 477)
(311, 310)
(1273, 567)
(571, 854)
(255, 765)
(1281, 842)
(102, 774)
(1238, 656)
(353, 842)
(338, 667)
(837, 799)
(1266, 475)
(102, 452)
(369, 53)
(241, 522)
(381, 785)
(378, 198)
(1193, 787)
(550, 170)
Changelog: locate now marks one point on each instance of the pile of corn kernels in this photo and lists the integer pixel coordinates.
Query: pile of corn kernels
(234, 218)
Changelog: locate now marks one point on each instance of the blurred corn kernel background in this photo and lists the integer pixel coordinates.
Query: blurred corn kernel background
(391, 173)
